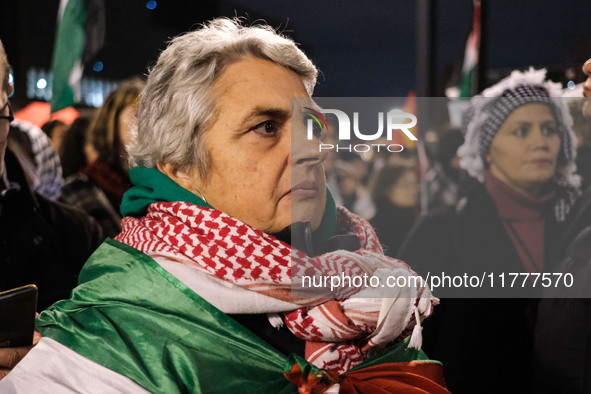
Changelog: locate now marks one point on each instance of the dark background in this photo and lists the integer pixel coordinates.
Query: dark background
(363, 48)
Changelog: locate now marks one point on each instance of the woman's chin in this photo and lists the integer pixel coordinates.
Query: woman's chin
(307, 212)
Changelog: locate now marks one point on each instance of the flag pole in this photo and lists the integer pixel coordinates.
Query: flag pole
(424, 49)
(425, 27)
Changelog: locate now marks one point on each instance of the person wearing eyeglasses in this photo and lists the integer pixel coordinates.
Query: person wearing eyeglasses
(5, 118)
(41, 241)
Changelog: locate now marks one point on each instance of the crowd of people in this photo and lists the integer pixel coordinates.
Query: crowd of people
(167, 231)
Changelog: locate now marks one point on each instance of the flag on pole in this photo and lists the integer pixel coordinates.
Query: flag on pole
(468, 86)
(80, 34)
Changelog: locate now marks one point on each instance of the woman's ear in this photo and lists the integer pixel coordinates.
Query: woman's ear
(186, 179)
(10, 89)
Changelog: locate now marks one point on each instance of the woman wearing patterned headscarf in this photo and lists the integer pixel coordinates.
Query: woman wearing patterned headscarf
(521, 148)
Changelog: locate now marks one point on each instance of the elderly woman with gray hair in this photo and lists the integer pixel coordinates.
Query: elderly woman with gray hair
(195, 293)
(521, 148)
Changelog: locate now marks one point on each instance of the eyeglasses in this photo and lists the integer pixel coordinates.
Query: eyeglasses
(10, 116)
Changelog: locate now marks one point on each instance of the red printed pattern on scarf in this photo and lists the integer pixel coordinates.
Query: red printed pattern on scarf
(235, 252)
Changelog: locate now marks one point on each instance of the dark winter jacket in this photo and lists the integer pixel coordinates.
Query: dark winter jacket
(392, 224)
(562, 361)
(41, 242)
(80, 192)
(485, 344)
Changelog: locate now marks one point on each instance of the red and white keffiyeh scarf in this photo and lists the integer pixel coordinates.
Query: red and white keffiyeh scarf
(340, 332)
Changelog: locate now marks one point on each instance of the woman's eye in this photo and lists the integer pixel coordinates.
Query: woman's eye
(265, 128)
(549, 130)
(520, 132)
(317, 130)
(314, 125)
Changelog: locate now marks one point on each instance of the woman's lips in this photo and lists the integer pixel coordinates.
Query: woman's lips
(541, 162)
(303, 190)
(586, 91)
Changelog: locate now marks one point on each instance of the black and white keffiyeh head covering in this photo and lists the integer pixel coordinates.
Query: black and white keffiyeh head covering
(487, 112)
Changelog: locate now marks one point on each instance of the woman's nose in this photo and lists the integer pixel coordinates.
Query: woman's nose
(540, 139)
(306, 151)
(587, 85)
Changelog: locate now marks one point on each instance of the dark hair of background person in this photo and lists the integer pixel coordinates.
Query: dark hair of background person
(103, 134)
(450, 140)
(394, 217)
(49, 126)
(72, 149)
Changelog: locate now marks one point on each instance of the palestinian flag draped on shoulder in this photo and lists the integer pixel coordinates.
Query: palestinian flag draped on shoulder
(131, 326)
(80, 34)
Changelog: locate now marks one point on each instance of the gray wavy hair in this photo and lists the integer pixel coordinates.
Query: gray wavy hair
(176, 105)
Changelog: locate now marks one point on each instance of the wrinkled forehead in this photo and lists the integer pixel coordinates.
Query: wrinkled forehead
(254, 85)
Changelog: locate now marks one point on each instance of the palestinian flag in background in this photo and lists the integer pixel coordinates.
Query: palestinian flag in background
(80, 34)
(468, 86)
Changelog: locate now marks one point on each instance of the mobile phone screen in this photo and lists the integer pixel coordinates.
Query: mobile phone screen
(17, 316)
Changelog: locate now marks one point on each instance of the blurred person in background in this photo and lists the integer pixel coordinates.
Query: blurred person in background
(562, 346)
(41, 241)
(107, 135)
(38, 158)
(407, 157)
(55, 130)
(352, 193)
(395, 191)
(521, 148)
(72, 151)
(582, 127)
(99, 186)
(445, 178)
(584, 150)
(587, 89)
(195, 294)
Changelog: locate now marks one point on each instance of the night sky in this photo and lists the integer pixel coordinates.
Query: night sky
(363, 48)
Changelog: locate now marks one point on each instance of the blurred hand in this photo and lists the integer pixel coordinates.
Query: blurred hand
(11, 356)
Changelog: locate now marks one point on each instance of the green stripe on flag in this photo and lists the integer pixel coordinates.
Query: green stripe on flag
(69, 44)
(130, 315)
(468, 83)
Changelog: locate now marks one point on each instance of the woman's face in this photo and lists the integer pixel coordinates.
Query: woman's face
(524, 152)
(255, 172)
(587, 89)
